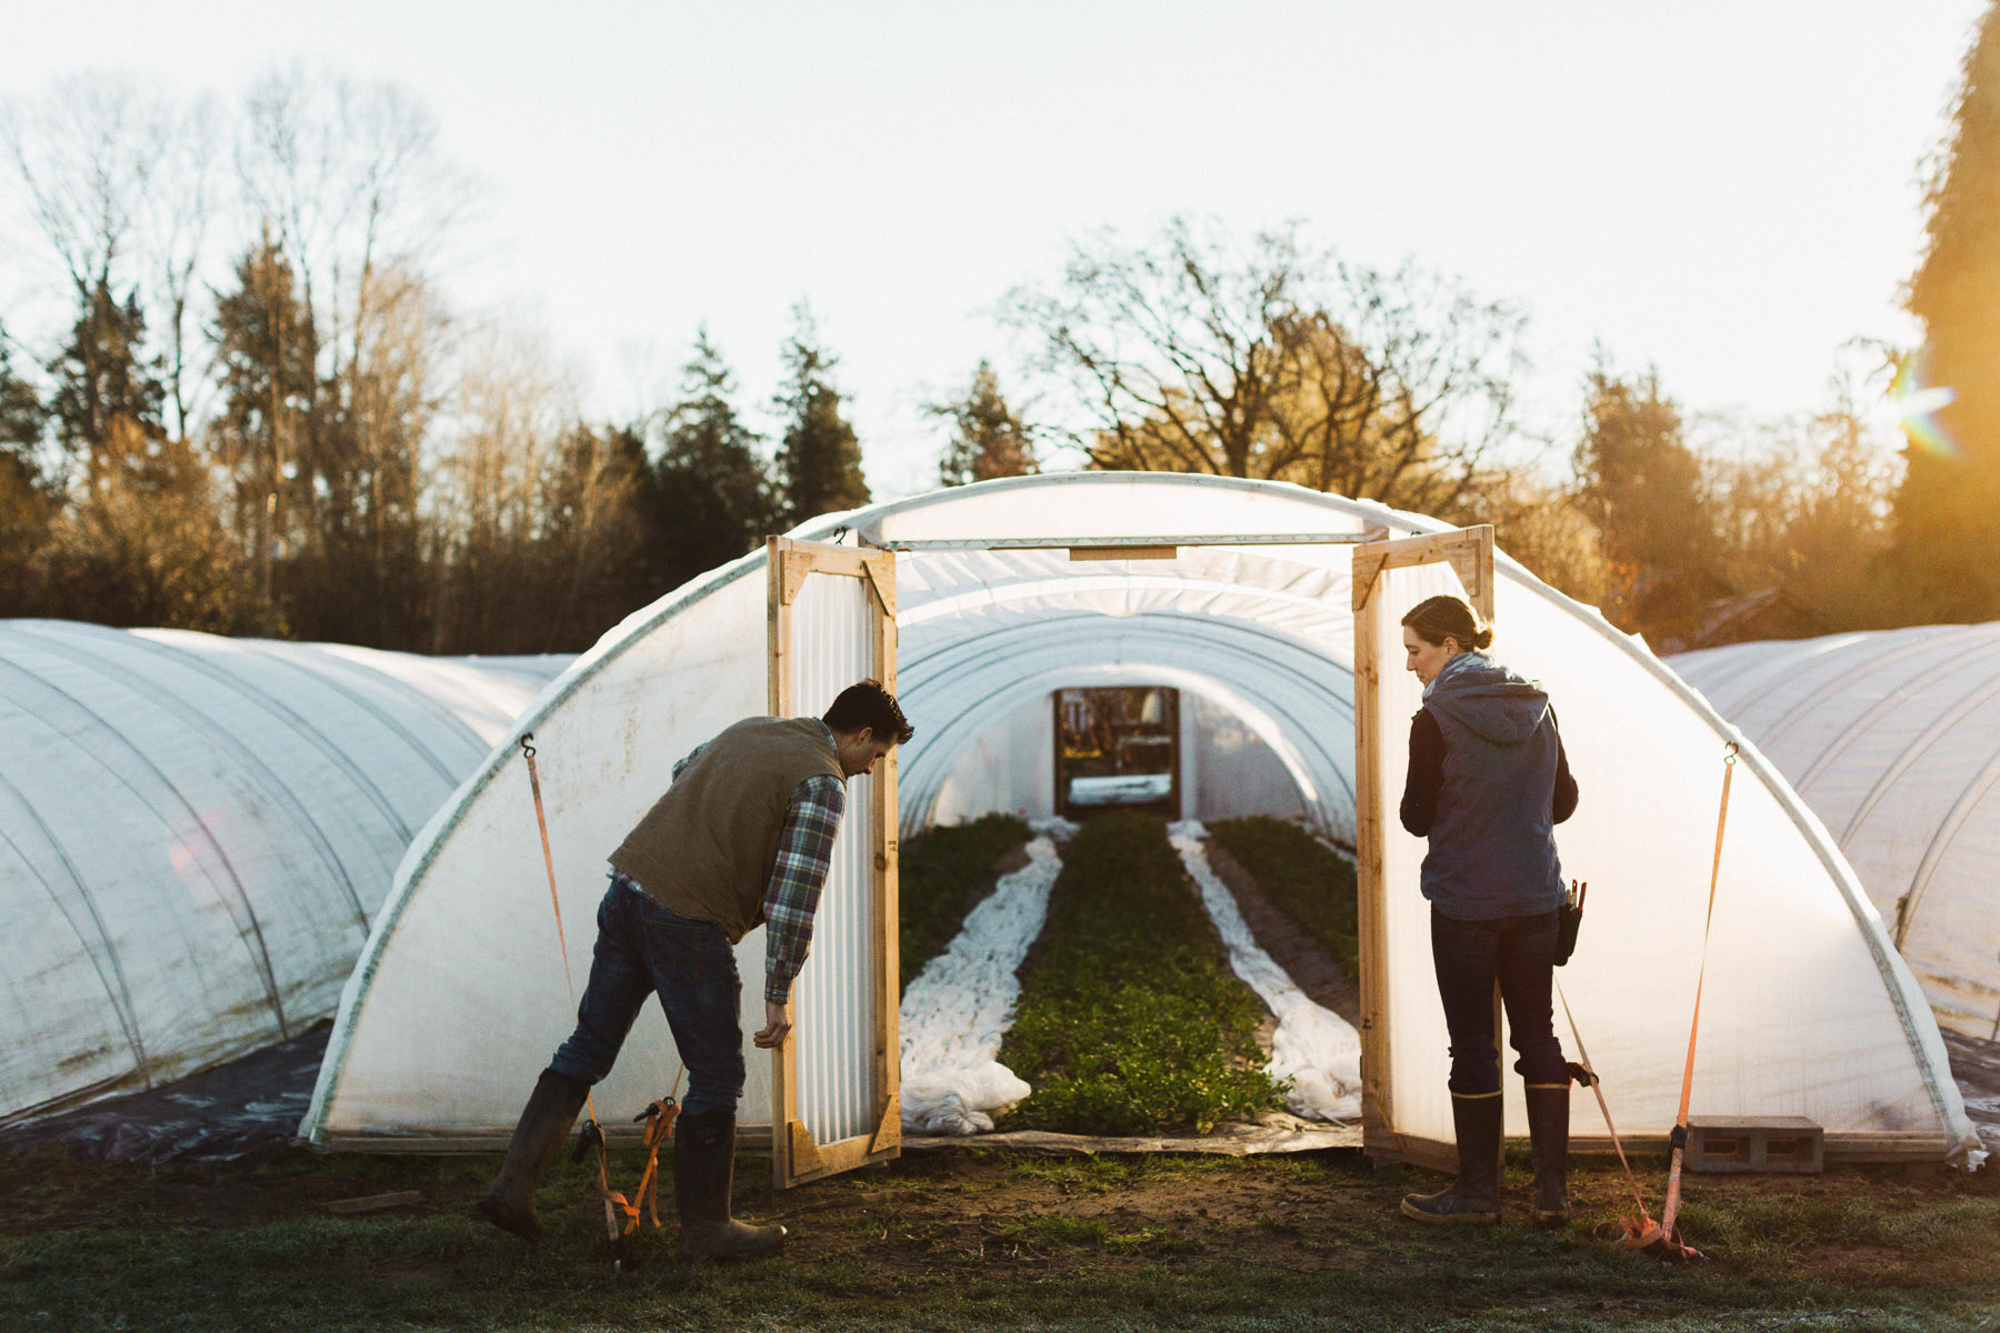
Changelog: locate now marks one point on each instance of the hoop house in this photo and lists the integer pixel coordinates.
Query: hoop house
(1893, 739)
(1236, 593)
(196, 833)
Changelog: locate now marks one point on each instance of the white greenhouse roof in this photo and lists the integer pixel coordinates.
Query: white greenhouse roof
(196, 834)
(1893, 738)
(460, 994)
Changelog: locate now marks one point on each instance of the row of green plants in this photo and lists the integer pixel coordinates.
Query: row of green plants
(943, 874)
(1130, 1021)
(1314, 886)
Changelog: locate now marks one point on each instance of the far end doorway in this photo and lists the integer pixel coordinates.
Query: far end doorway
(1118, 748)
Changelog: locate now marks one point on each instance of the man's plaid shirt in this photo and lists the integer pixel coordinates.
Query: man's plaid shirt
(805, 854)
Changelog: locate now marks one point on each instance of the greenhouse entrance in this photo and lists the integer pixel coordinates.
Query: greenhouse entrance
(1272, 604)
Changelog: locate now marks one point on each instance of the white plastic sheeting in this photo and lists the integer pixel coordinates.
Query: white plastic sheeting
(196, 832)
(459, 997)
(1313, 1047)
(958, 1009)
(1893, 739)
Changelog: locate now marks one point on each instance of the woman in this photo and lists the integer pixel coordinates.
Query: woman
(1488, 783)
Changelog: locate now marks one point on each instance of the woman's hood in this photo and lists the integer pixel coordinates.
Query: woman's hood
(1487, 699)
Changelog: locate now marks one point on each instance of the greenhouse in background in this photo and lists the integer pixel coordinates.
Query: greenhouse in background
(1893, 739)
(196, 834)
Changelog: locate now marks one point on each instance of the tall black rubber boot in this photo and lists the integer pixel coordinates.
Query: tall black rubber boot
(704, 1170)
(510, 1202)
(1548, 1133)
(1475, 1195)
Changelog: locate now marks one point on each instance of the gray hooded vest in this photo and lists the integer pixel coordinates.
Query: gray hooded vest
(1492, 846)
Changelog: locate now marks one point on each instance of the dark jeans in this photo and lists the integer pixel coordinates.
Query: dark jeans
(643, 949)
(1519, 952)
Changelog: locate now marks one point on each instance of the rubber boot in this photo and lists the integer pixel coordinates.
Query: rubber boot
(704, 1170)
(510, 1202)
(1548, 1134)
(1475, 1195)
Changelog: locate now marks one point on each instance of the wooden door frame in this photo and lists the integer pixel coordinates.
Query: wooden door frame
(795, 1157)
(1469, 551)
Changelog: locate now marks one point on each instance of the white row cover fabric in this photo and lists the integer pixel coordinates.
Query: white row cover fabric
(1893, 738)
(1313, 1047)
(460, 998)
(196, 832)
(958, 1009)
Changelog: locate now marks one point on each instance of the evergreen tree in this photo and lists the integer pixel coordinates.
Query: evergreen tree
(1947, 510)
(265, 353)
(1640, 483)
(819, 461)
(987, 439)
(599, 501)
(109, 397)
(141, 543)
(27, 505)
(715, 500)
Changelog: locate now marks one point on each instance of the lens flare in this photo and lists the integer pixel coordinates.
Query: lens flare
(1917, 403)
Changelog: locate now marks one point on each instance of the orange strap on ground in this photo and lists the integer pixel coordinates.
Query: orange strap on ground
(1643, 1225)
(1671, 1209)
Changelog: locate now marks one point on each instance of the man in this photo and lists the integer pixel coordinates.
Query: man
(742, 837)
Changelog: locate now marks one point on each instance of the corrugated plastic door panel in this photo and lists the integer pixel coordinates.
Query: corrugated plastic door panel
(835, 1104)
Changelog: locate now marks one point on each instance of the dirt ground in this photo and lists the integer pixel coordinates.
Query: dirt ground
(993, 1212)
(964, 1224)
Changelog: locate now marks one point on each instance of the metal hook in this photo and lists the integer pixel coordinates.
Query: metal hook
(1730, 752)
(526, 748)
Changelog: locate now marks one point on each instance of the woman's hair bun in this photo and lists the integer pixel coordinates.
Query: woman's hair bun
(1436, 619)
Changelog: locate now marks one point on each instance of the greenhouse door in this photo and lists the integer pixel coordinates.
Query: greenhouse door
(834, 1083)
(1408, 1120)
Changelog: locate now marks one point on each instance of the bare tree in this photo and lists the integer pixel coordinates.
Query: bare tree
(120, 184)
(84, 156)
(352, 184)
(179, 211)
(1194, 354)
(351, 177)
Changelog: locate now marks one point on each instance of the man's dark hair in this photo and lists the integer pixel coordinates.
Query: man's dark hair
(868, 705)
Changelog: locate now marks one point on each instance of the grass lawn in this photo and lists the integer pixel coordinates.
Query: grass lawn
(981, 1240)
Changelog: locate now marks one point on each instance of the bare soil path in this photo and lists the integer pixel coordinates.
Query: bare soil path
(1311, 967)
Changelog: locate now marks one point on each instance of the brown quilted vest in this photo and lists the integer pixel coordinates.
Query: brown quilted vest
(707, 847)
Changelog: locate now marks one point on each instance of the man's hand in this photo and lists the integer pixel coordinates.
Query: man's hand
(777, 1026)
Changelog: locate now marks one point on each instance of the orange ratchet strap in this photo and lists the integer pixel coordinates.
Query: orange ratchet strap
(1669, 1239)
(621, 1215)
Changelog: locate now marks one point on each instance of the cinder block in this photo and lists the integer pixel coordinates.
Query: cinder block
(1778, 1144)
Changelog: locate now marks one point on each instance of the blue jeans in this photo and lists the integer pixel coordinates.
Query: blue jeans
(643, 949)
(1519, 952)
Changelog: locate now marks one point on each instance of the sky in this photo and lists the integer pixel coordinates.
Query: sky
(1729, 192)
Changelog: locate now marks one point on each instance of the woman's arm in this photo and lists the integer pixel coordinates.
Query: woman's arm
(1562, 801)
(1420, 788)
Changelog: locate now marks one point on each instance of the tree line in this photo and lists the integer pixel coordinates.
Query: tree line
(309, 441)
